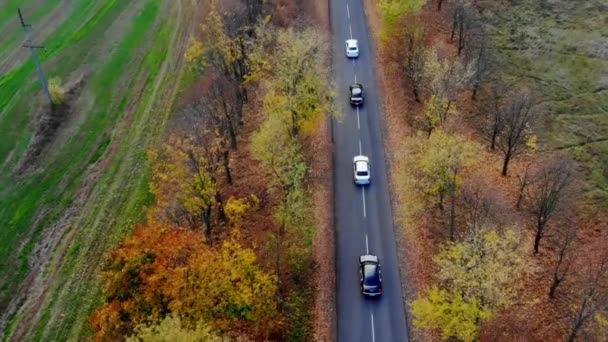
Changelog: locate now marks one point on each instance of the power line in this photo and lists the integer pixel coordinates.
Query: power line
(30, 45)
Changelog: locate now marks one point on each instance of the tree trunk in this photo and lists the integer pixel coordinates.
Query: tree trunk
(439, 3)
(461, 36)
(232, 132)
(537, 240)
(575, 330)
(441, 200)
(208, 226)
(227, 167)
(494, 135)
(416, 96)
(221, 215)
(505, 165)
(475, 89)
(554, 285)
(454, 24)
(453, 206)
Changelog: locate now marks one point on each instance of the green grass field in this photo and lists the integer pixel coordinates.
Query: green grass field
(89, 186)
(561, 48)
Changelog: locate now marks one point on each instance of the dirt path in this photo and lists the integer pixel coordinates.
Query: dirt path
(35, 297)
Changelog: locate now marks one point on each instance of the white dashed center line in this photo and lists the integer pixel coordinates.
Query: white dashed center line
(366, 244)
(364, 210)
(373, 332)
(360, 151)
(347, 11)
(358, 121)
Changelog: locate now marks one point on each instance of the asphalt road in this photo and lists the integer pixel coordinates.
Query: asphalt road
(363, 214)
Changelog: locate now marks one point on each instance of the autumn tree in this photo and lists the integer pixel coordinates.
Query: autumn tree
(163, 270)
(439, 163)
(282, 156)
(171, 329)
(184, 184)
(592, 297)
(481, 274)
(393, 13)
(289, 65)
(227, 289)
(449, 313)
(414, 61)
(229, 37)
(135, 278)
(517, 116)
(443, 79)
(547, 195)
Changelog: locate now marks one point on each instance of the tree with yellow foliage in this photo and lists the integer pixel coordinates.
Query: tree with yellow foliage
(438, 163)
(171, 329)
(227, 289)
(443, 79)
(295, 77)
(393, 13)
(183, 184)
(56, 90)
(478, 276)
(448, 311)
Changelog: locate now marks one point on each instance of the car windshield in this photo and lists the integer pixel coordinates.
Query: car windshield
(352, 48)
(370, 275)
(361, 173)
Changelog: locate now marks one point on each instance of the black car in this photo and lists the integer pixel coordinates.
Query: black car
(370, 274)
(356, 94)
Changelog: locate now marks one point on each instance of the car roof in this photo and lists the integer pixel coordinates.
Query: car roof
(361, 158)
(361, 166)
(371, 275)
(351, 42)
(369, 258)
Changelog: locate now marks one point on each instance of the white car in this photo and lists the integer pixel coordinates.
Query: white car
(361, 170)
(352, 48)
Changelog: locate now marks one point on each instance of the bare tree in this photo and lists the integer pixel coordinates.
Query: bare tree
(524, 181)
(491, 107)
(481, 202)
(414, 60)
(564, 244)
(481, 62)
(546, 196)
(464, 23)
(593, 295)
(220, 101)
(517, 118)
(205, 120)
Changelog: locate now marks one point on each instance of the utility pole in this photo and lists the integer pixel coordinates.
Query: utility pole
(29, 44)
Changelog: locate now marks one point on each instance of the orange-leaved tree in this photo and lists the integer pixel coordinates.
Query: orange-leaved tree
(163, 270)
(136, 275)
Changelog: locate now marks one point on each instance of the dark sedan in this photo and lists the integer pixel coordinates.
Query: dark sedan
(356, 94)
(371, 276)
